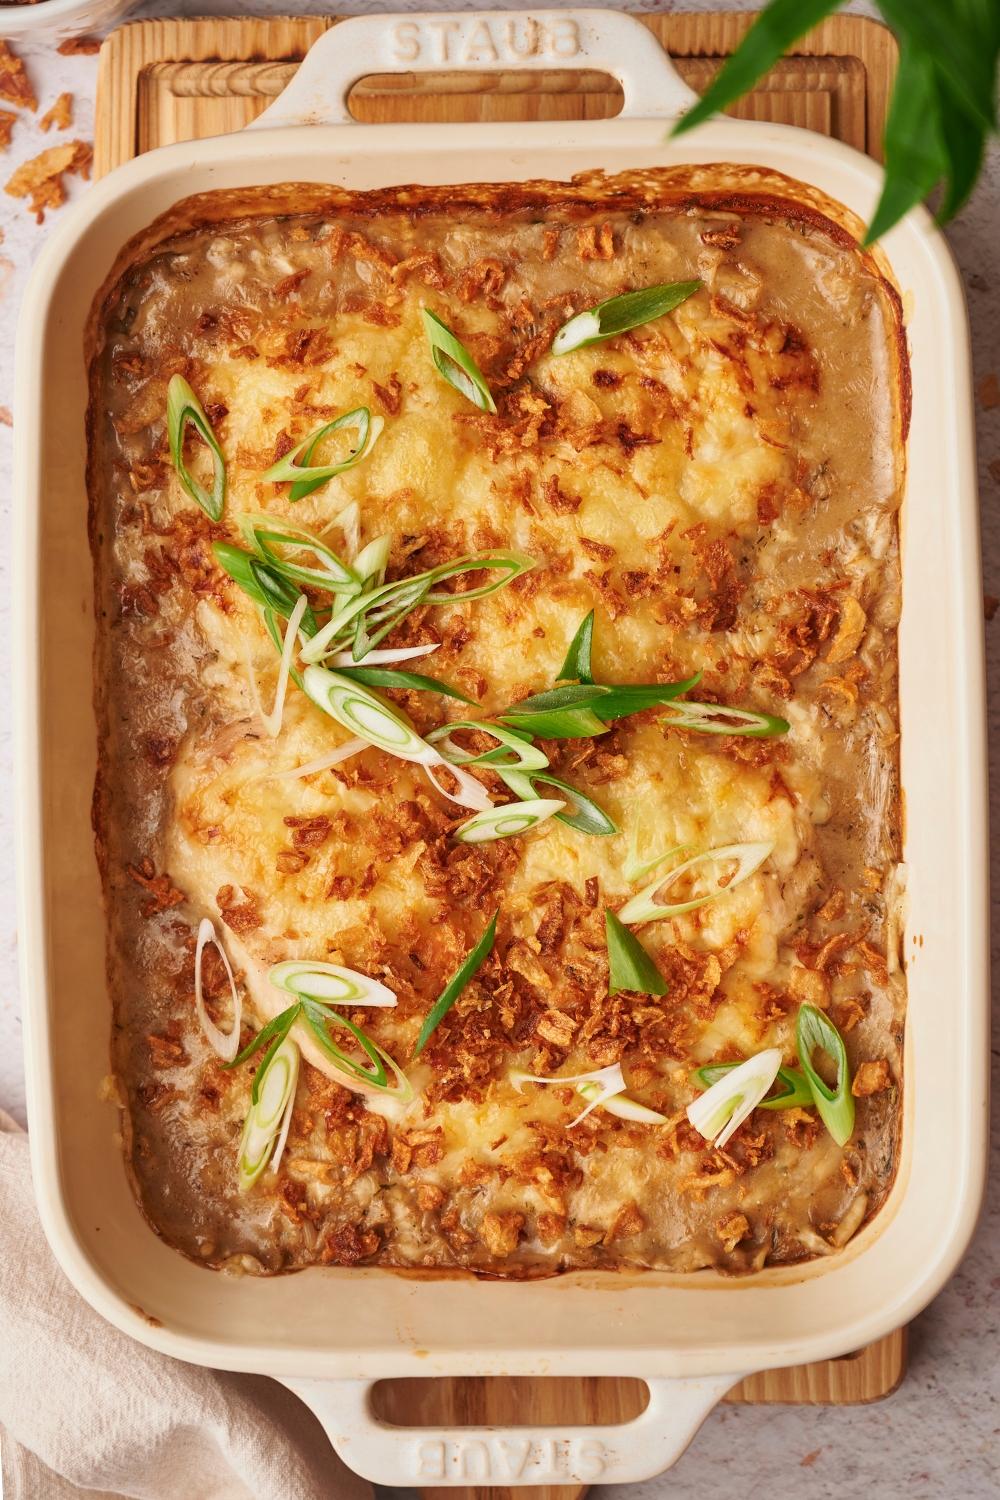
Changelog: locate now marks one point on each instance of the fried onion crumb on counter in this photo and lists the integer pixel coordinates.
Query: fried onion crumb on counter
(703, 505)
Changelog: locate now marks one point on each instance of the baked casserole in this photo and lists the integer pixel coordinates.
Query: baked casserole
(498, 806)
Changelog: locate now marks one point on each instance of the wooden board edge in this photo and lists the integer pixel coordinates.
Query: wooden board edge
(872, 1374)
(135, 44)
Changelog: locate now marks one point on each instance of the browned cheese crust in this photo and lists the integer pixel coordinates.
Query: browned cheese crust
(721, 487)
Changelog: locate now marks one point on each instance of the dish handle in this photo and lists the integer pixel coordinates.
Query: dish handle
(407, 1457)
(480, 41)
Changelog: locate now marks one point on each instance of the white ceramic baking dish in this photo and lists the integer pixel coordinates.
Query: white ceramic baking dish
(329, 1333)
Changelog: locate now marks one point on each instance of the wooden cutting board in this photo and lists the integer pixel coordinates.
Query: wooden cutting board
(163, 81)
(182, 79)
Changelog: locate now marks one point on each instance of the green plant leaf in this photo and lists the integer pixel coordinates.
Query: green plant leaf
(456, 984)
(631, 967)
(915, 155)
(964, 143)
(962, 38)
(576, 667)
(774, 31)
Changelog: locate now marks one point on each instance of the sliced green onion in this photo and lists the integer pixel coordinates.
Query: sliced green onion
(583, 814)
(382, 658)
(631, 967)
(388, 605)
(322, 762)
(455, 757)
(319, 1019)
(835, 1106)
(456, 984)
(576, 667)
(720, 1112)
(363, 713)
(456, 364)
(269, 1037)
(622, 1106)
(272, 721)
(372, 561)
(349, 521)
(385, 677)
(649, 905)
(704, 717)
(183, 407)
(619, 314)
(281, 596)
(329, 984)
(560, 698)
(634, 868)
(225, 1044)
(609, 701)
(607, 1081)
(504, 822)
(795, 1090)
(270, 1112)
(262, 584)
(632, 697)
(575, 712)
(528, 757)
(515, 563)
(260, 530)
(304, 478)
(560, 724)
(471, 793)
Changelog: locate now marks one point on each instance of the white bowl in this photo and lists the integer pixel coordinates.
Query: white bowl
(57, 20)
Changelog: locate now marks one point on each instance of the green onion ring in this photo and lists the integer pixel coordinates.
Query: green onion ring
(183, 407)
(306, 479)
(454, 362)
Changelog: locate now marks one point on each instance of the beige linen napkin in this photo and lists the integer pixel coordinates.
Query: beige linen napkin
(88, 1414)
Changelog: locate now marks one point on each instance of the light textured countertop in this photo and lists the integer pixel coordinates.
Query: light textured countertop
(939, 1436)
